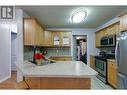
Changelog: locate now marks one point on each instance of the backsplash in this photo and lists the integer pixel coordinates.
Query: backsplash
(107, 49)
(28, 52)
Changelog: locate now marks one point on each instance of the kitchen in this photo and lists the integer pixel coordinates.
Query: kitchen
(56, 42)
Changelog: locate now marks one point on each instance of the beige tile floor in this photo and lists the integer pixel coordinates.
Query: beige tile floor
(96, 84)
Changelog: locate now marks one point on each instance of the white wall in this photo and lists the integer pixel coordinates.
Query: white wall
(19, 18)
(5, 51)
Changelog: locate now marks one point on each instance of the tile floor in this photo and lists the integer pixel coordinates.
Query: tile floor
(97, 84)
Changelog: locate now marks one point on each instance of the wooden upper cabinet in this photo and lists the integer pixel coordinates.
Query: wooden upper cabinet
(113, 29)
(117, 27)
(123, 22)
(41, 36)
(48, 38)
(110, 30)
(61, 38)
(56, 38)
(33, 32)
(66, 38)
(98, 36)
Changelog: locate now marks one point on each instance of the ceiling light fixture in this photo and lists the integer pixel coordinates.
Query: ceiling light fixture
(79, 15)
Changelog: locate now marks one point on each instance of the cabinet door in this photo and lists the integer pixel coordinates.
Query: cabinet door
(104, 32)
(117, 27)
(66, 38)
(29, 31)
(114, 29)
(123, 23)
(56, 38)
(41, 36)
(48, 38)
(97, 39)
(112, 74)
(37, 35)
(33, 82)
(32, 32)
(92, 62)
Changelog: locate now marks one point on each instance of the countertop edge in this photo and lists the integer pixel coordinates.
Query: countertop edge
(65, 76)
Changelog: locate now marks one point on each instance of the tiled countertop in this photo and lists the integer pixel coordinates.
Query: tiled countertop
(59, 69)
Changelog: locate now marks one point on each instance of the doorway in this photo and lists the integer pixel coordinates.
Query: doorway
(80, 48)
(13, 51)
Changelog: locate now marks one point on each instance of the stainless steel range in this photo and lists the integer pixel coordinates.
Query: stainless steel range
(101, 65)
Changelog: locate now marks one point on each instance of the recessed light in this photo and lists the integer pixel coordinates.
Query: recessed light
(79, 15)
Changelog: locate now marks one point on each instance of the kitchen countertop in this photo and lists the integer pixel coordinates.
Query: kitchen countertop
(58, 69)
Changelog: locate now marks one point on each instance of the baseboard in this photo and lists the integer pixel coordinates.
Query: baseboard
(5, 79)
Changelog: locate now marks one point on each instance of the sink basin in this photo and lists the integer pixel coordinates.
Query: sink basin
(44, 63)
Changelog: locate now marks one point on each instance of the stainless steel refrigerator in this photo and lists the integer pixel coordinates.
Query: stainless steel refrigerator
(121, 60)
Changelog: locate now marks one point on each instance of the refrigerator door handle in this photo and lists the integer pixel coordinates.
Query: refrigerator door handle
(117, 53)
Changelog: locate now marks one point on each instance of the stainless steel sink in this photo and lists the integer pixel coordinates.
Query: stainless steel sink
(44, 63)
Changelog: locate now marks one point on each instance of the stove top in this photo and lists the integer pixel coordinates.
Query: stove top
(104, 58)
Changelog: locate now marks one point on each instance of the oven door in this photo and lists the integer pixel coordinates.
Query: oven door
(100, 66)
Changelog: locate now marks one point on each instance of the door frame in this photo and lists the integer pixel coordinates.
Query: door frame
(72, 48)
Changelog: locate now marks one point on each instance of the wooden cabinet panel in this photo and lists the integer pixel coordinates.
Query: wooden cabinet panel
(56, 36)
(41, 36)
(33, 82)
(48, 38)
(112, 74)
(92, 62)
(98, 36)
(123, 22)
(58, 83)
(117, 27)
(61, 58)
(66, 35)
(32, 32)
(37, 34)
(113, 29)
(62, 37)
(29, 32)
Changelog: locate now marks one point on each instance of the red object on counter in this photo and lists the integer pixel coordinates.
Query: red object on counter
(39, 56)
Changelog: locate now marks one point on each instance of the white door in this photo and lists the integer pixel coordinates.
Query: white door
(5, 52)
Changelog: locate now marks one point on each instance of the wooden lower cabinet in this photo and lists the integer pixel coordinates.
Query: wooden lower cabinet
(61, 58)
(33, 82)
(58, 83)
(112, 73)
(92, 62)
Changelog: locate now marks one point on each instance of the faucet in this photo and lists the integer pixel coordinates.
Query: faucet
(35, 48)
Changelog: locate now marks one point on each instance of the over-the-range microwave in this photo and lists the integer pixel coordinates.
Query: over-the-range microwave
(109, 40)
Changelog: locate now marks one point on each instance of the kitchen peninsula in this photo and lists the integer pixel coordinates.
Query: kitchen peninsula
(59, 75)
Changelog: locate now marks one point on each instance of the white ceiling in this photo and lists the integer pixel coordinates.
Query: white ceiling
(59, 16)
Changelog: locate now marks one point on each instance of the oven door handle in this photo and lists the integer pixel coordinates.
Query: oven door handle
(100, 60)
